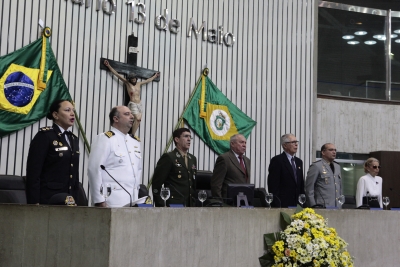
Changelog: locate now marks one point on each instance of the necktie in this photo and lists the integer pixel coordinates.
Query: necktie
(68, 138)
(332, 167)
(186, 160)
(243, 167)
(294, 169)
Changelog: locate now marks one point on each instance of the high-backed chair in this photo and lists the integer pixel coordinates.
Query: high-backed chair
(203, 182)
(12, 189)
(349, 202)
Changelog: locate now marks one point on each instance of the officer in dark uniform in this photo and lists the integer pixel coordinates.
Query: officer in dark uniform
(176, 170)
(53, 159)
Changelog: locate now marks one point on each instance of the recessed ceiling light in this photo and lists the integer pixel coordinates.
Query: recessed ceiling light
(360, 33)
(370, 42)
(379, 36)
(393, 36)
(397, 31)
(348, 37)
(353, 42)
(397, 41)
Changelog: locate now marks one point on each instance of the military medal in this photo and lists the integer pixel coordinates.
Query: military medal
(60, 143)
(55, 142)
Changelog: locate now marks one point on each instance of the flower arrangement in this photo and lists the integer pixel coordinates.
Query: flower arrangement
(306, 241)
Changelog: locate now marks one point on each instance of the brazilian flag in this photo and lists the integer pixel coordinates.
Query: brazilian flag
(214, 117)
(30, 81)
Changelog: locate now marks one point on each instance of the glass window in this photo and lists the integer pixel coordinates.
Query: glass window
(351, 54)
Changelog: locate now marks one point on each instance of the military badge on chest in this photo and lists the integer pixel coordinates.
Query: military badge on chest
(59, 147)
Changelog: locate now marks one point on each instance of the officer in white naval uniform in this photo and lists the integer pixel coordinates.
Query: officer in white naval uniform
(121, 156)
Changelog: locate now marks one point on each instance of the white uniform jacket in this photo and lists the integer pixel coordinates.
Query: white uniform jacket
(121, 156)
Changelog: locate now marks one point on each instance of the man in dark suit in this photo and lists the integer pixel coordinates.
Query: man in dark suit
(232, 167)
(176, 170)
(285, 178)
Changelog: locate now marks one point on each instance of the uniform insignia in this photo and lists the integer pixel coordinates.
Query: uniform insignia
(109, 134)
(45, 128)
(61, 154)
(135, 137)
(70, 201)
(55, 142)
(77, 152)
(64, 148)
(61, 144)
(189, 156)
(178, 164)
(178, 155)
(179, 176)
(194, 167)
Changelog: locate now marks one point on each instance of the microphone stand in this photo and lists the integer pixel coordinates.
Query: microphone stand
(184, 199)
(130, 196)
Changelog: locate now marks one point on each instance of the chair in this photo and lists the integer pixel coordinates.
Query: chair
(349, 202)
(12, 189)
(82, 198)
(203, 182)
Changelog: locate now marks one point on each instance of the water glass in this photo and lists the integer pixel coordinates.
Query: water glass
(269, 197)
(202, 195)
(386, 201)
(105, 191)
(302, 199)
(165, 193)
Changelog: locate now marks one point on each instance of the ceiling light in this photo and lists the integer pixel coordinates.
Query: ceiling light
(397, 31)
(397, 41)
(378, 36)
(360, 33)
(393, 36)
(353, 42)
(348, 37)
(370, 42)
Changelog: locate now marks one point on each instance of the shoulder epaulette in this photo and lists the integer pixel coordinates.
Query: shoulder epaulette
(135, 137)
(109, 134)
(43, 129)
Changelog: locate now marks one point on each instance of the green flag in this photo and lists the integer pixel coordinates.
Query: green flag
(30, 81)
(214, 117)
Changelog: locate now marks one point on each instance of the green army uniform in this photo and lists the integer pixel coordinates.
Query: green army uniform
(172, 171)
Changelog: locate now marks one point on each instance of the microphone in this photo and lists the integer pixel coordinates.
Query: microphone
(170, 185)
(130, 196)
(319, 205)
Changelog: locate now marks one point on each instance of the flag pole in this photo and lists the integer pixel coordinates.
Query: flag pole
(180, 121)
(85, 141)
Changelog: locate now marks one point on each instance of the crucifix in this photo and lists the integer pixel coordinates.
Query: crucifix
(132, 73)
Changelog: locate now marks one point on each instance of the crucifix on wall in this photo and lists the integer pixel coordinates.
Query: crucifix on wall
(132, 73)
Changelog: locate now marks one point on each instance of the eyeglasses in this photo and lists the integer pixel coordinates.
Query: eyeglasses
(293, 142)
(376, 167)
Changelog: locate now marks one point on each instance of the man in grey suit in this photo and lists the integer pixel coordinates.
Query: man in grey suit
(232, 167)
(324, 181)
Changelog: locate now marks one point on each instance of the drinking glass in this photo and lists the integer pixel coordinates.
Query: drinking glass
(341, 200)
(302, 199)
(105, 191)
(165, 193)
(269, 197)
(386, 201)
(202, 195)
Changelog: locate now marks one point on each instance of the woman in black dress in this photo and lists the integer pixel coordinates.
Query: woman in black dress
(53, 159)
